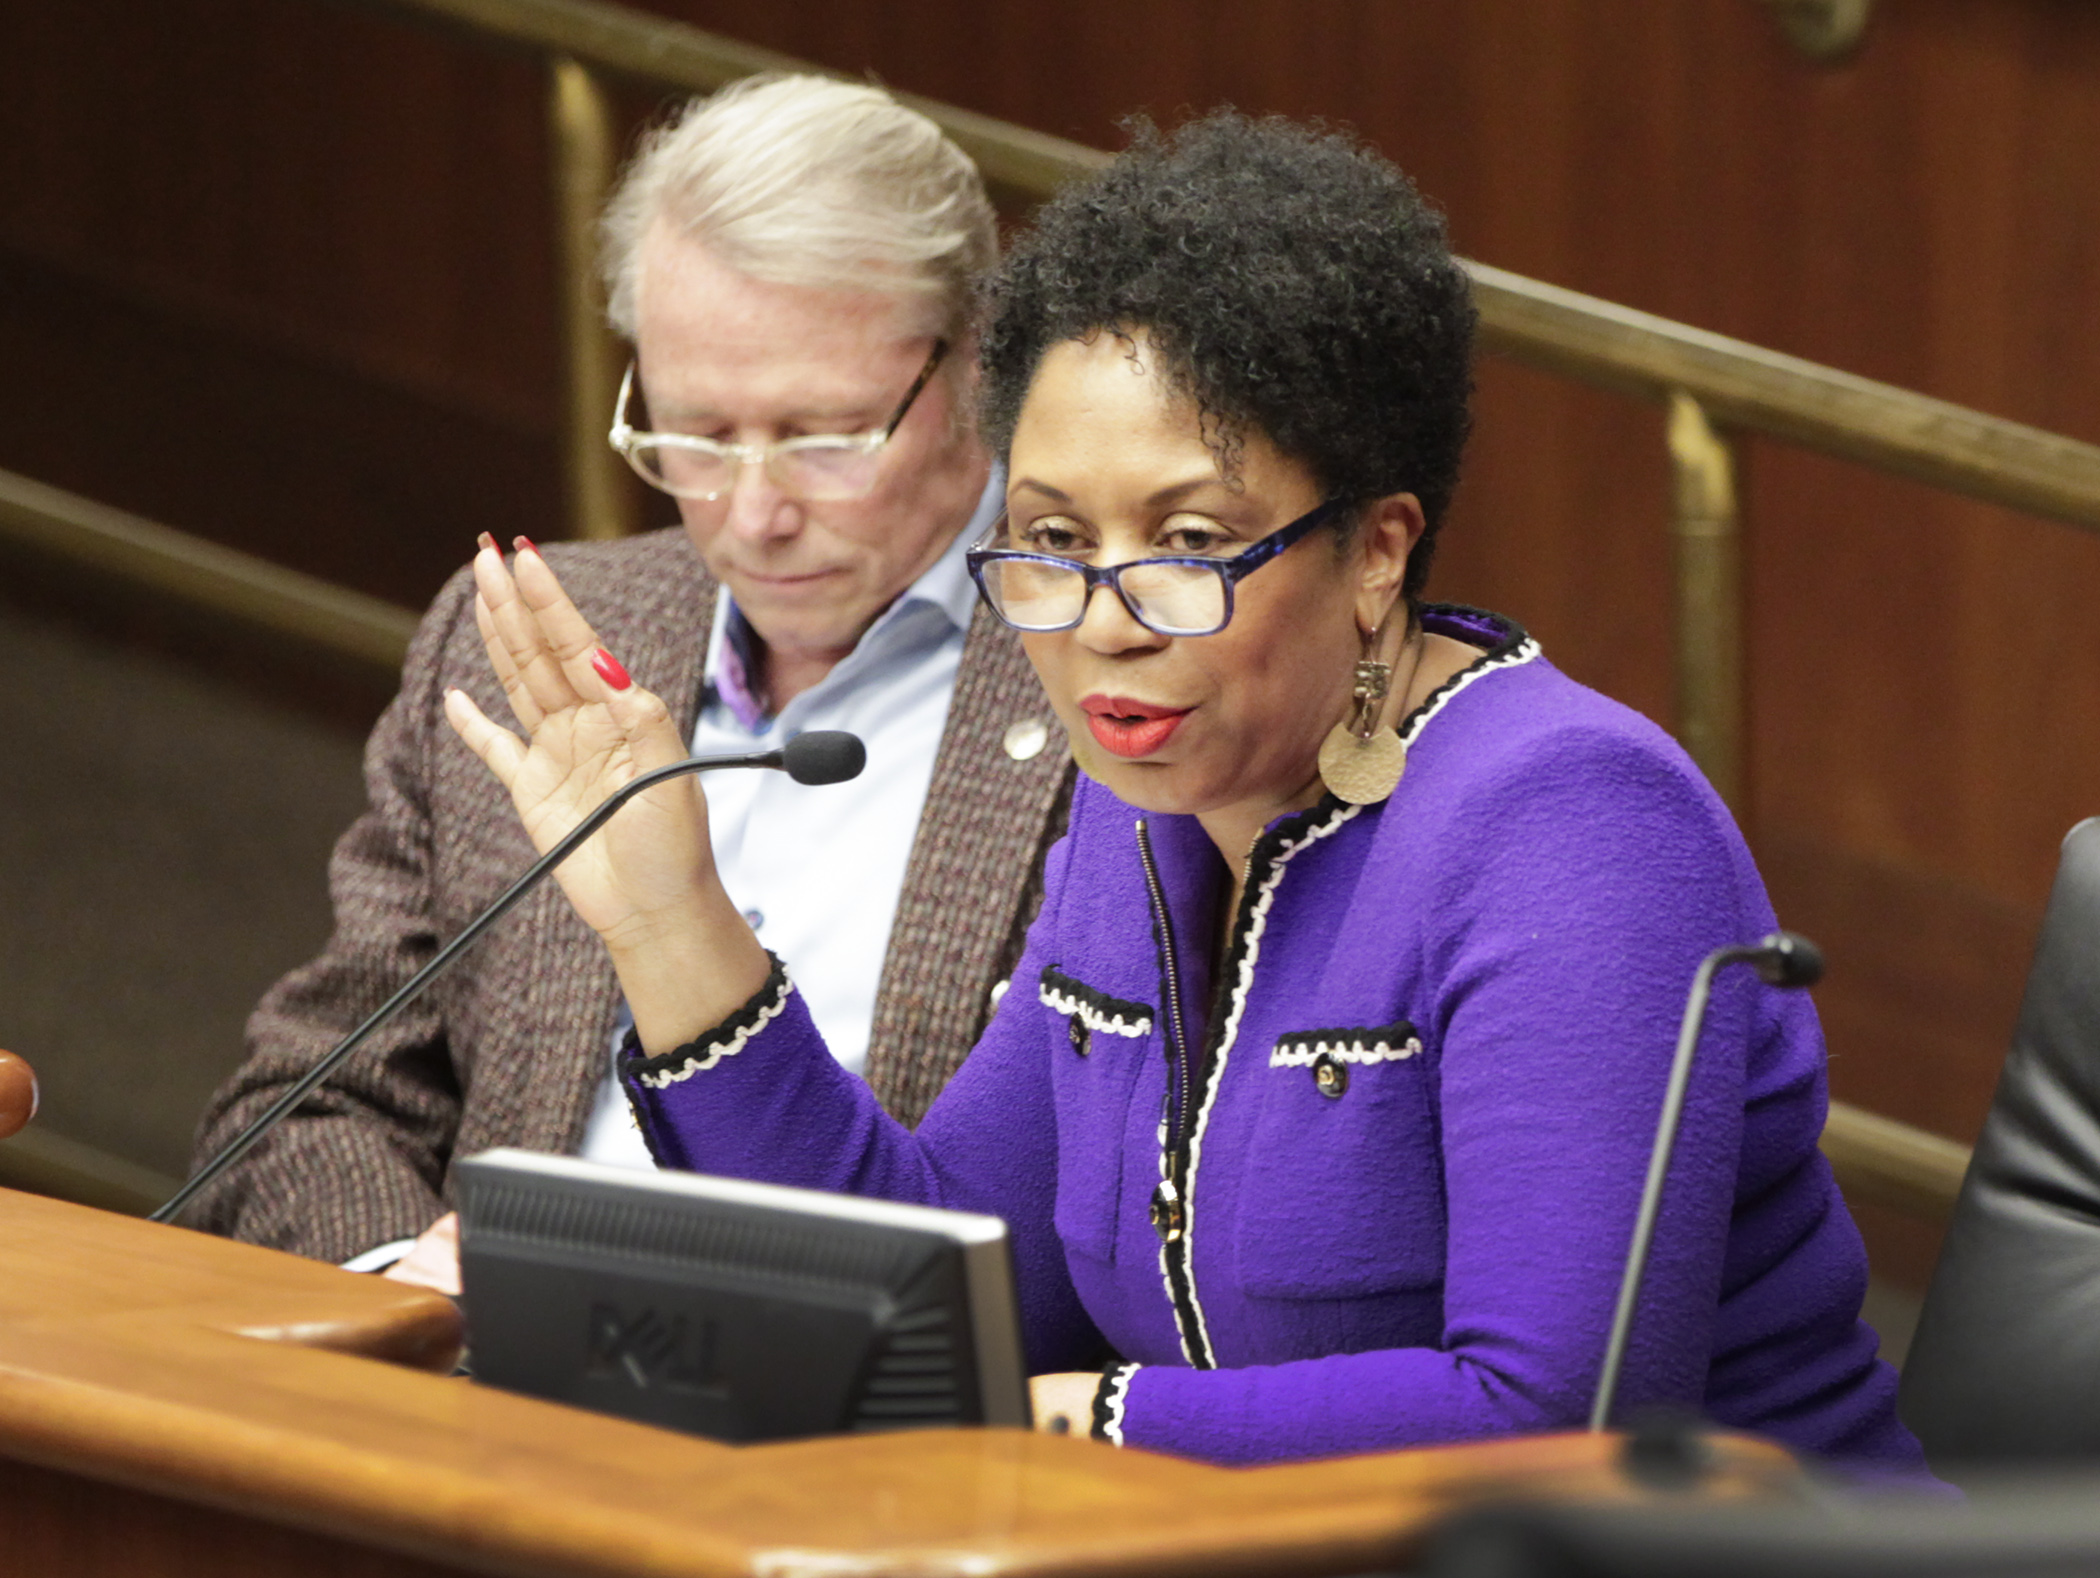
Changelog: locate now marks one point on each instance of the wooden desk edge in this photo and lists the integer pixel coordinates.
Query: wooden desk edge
(161, 1399)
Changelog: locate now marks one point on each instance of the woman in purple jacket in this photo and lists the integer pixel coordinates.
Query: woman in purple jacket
(1321, 1098)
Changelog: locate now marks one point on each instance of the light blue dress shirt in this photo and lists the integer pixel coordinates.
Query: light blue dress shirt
(818, 871)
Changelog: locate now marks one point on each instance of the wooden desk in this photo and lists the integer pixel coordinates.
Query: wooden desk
(179, 1405)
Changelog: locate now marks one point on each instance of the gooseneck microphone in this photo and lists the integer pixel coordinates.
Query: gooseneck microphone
(823, 756)
(1784, 959)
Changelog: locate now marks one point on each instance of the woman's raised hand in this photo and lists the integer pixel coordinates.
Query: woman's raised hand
(646, 881)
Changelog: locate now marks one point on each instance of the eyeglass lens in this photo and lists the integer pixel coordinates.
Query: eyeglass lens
(820, 470)
(819, 467)
(1171, 598)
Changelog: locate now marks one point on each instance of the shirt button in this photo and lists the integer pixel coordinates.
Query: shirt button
(754, 918)
(1330, 1079)
(1076, 1031)
(1025, 740)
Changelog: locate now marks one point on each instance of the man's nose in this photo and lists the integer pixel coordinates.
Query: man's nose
(757, 508)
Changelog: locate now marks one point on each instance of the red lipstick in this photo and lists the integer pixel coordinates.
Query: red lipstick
(1131, 728)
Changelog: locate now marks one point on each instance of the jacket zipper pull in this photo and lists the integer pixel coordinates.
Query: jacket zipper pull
(1169, 1207)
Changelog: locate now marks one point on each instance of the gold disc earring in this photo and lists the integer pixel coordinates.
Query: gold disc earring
(1360, 762)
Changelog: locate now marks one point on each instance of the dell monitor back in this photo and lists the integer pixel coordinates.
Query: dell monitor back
(736, 1310)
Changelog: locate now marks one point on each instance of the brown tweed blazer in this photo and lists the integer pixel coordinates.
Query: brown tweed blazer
(509, 1047)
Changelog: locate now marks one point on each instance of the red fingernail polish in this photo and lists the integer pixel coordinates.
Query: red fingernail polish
(485, 541)
(525, 545)
(609, 669)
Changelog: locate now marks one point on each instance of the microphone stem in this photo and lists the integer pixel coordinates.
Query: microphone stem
(1658, 1168)
(446, 957)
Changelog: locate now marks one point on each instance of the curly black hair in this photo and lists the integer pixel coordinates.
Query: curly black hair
(1293, 283)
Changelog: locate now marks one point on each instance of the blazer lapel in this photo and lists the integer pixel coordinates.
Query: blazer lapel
(975, 875)
(656, 616)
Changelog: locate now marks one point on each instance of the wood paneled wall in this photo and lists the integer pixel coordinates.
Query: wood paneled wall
(278, 271)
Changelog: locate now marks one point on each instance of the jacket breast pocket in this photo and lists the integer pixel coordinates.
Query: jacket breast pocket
(1343, 1194)
(1099, 1047)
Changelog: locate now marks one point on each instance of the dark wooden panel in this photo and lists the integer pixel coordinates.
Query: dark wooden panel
(1562, 521)
(371, 191)
(68, 1526)
(279, 275)
(246, 440)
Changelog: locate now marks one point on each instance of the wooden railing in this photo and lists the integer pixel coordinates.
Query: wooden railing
(162, 561)
(1710, 388)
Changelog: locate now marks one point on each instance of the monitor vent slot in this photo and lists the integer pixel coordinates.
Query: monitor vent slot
(556, 1216)
(915, 1378)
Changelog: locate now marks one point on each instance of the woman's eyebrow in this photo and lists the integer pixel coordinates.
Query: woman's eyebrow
(1172, 493)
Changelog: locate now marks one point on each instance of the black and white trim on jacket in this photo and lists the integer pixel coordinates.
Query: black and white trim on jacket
(726, 1040)
(1110, 1398)
(1387, 1044)
(1272, 854)
(1100, 1013)
(1514, 649)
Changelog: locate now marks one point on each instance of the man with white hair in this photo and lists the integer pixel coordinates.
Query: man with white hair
(793, 261)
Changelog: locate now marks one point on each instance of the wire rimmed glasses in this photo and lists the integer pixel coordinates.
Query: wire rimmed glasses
(817, 467)
(1176, 595)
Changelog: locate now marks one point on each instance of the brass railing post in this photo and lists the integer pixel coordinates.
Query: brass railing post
(1709, 554)
(582, 144)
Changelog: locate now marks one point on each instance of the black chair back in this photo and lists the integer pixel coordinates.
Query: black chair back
(2005, 1366)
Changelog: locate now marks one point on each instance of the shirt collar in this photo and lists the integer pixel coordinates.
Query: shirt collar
(944, 590)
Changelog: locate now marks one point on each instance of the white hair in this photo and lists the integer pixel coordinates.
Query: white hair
(808, 181)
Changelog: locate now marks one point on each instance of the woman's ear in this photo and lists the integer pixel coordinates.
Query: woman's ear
(1385, 538)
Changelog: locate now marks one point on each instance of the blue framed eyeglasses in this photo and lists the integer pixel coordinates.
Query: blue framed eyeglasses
(1181, 595)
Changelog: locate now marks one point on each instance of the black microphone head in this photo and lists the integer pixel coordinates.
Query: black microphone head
(824, 756)
(1786, 958)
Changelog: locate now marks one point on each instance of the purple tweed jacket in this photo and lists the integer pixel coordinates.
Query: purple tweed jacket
(1366, 1178)
(508, 1048)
